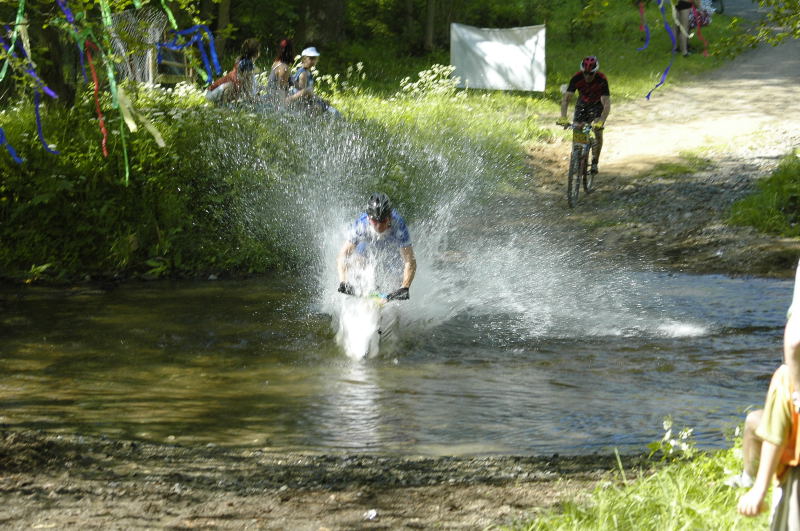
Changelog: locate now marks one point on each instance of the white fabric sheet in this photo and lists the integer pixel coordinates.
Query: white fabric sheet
(499, 59)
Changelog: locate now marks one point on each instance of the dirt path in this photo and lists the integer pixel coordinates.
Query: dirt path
(741, 119)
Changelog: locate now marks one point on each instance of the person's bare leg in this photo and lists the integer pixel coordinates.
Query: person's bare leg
(598, 146)
(683, 31)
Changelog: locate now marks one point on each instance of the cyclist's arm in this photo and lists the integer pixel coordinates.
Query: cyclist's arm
(565, 103)
(409, 267)
(606, 101)
(341, 260)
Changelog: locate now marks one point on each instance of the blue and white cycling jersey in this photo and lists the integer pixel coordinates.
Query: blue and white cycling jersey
(383, 248)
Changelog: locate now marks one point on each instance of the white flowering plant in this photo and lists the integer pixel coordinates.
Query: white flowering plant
(674, 447)
(438, 80)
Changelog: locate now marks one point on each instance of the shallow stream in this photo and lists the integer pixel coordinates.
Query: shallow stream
(254, 363)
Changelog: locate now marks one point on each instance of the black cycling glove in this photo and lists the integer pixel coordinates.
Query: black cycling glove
(398, 295)
(346, 288)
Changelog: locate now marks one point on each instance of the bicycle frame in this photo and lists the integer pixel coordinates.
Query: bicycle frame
(583, 139)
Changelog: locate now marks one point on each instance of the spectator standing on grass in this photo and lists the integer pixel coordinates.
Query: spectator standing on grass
(684, 9)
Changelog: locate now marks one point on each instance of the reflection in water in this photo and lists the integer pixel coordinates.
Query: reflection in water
(350, 416)
(246, 363)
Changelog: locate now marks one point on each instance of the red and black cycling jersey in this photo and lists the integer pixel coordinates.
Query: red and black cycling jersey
(590, 92)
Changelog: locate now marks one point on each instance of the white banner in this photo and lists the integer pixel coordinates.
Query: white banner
(499, 59)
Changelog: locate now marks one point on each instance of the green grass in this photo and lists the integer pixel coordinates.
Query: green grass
(686, 494)
(774, 208)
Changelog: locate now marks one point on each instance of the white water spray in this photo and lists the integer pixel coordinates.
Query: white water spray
(473, 259)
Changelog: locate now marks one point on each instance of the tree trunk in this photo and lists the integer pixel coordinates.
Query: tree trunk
(429, 20)
(206, 11)
(408, 27)
(52, 70)
(223, 19)
(337, 13)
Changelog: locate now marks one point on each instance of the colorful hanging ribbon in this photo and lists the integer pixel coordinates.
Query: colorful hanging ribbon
(79, 39)
(100, 118)
(643, 27)
(674, 48)
(17, 24)
(169, 15)
(37, 99)
(9, 147)
(697, 20)
(196, 33)
(128, 113)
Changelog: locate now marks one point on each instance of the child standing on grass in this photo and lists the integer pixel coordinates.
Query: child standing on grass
(779, 434)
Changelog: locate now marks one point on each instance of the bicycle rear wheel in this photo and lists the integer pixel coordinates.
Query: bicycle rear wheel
(574, 178)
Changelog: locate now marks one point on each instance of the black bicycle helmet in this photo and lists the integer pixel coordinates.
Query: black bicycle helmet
(589, 65)
(379, 206)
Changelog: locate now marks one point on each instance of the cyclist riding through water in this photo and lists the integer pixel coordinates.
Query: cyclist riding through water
(594, 102)
(379, 241)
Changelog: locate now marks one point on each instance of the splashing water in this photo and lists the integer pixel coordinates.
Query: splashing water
(474, 260)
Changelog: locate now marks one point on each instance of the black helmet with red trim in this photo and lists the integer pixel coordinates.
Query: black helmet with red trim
(589, 65)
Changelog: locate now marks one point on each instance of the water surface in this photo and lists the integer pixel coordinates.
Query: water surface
(254, 363)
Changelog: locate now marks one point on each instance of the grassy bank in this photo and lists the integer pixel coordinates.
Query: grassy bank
(774, 208)
(687, 493)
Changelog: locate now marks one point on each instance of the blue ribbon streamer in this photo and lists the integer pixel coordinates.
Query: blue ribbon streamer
(674, 48)
(71, 19)
(196, 33)
(67, 13)
(30, 71)
(37, 100)
(9, 148)
(646, 38)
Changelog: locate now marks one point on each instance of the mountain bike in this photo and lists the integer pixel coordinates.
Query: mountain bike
(583, 140)
(367, 324)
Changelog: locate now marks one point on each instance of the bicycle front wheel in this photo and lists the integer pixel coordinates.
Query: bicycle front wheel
(588, 176)
(574, 178)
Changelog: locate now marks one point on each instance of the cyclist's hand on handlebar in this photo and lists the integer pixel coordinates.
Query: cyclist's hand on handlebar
(398, 295)
(346, 288)
(563, 122)
(599, 125)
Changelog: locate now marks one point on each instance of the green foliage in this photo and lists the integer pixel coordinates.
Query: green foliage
(774, 208)
(687, 492)
(74, 212)
(192, 208)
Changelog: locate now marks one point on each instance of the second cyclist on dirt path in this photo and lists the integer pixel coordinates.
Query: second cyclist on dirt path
(594, 101)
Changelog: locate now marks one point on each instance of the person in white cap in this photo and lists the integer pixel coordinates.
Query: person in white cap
(303, 79)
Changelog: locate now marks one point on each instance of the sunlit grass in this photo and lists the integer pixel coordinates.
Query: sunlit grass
(687, 493)
(774, 208)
